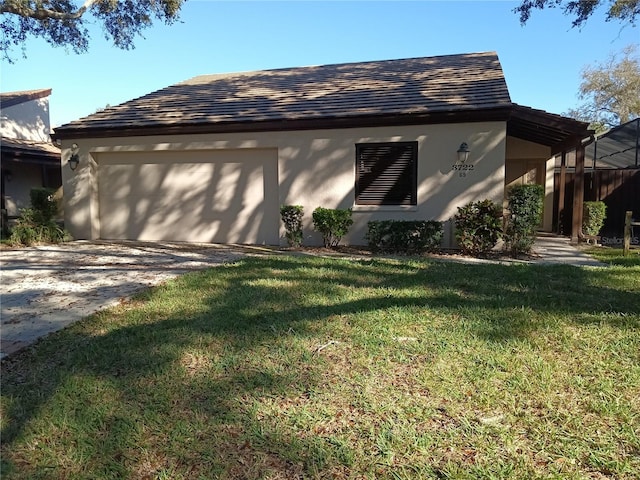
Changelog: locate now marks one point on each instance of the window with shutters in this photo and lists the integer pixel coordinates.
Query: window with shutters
(387, 173)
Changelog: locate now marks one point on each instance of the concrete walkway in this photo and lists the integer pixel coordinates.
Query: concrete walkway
(554, 250)
(44, 289)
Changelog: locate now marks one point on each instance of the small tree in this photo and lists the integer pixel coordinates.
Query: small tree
(292, 218)
(610, 91)
(478, 226)
(333, 224)
(525, 214)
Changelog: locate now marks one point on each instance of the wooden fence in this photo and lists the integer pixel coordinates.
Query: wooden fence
(618, 189)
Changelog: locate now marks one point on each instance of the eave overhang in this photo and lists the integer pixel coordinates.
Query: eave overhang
(554, 131)
(479, 115)
(22, 151)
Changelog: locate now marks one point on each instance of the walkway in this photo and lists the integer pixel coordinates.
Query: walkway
(554, 249)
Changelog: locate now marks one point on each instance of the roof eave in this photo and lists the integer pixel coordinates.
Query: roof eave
(478, 115)
(555, 131)
(25, 97)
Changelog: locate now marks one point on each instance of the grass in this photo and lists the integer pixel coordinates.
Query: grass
(614, 256)
(299, 367)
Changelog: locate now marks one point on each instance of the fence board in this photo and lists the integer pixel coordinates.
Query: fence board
(618, 189)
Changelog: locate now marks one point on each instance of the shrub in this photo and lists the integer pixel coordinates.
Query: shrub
(43, 204)
(333, 224)
(399, 236)
(37, 224)
(594, 216)
(292, 218)
(478, 226)
(30, 229)
(525, 214)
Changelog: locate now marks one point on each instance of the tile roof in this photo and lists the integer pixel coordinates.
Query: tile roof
(9, 99)
(390, 88)
(16, 149)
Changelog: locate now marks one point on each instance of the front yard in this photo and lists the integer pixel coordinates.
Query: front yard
(302, 367)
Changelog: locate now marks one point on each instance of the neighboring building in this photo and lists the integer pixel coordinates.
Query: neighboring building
(212, 159)
(29, 159)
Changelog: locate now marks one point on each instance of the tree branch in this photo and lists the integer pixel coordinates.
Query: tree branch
(41, 13)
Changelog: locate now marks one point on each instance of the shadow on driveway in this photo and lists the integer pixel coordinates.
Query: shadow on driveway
(44, 289)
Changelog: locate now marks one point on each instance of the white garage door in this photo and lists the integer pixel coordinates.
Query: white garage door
(221, 196)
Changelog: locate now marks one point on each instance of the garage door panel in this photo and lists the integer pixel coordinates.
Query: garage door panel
(216, 197)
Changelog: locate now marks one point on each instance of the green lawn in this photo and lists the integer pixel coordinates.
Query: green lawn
(614, 256)
(288, 367)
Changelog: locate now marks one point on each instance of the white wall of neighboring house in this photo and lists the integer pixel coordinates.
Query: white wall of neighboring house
(30, 121)
(27, 121)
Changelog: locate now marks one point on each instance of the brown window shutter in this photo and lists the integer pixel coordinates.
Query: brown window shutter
(386, 173)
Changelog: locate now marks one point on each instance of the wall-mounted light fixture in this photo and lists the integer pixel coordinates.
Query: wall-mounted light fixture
(463, 152)
(74, 161)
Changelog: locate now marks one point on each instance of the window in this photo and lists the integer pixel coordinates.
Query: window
(386, 173)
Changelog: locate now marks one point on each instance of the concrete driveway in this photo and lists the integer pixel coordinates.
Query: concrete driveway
(44, 289)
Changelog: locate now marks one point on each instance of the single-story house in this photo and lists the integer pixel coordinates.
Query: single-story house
(211, 159)
(29, 158)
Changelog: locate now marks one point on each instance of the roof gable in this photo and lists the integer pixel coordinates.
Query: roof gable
(327, 95)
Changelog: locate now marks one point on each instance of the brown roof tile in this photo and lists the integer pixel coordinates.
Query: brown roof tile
(17, 149)
(391, 88)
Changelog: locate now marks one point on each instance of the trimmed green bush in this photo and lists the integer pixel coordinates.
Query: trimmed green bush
(478, 227)
(593, 219)
(525, 215)
(333, 224)
(37, 224)
(292, 218)
(400, 236)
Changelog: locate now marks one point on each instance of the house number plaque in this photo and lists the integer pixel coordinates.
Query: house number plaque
(462, 169)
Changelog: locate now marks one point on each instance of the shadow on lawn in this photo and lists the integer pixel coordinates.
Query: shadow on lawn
(227, 345)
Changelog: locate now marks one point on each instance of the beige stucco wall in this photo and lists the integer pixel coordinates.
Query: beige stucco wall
(317, 168)
(27, 121)
(528, 162)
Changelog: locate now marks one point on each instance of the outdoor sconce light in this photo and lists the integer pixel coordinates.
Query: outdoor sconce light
(463, 152)
(75, 159)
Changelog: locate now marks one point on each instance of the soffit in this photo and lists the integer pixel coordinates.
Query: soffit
(546, 128)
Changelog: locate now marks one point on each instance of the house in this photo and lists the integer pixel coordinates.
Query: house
(29, 159)
(211, 159)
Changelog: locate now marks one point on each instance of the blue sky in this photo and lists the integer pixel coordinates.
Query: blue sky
(542, 61)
